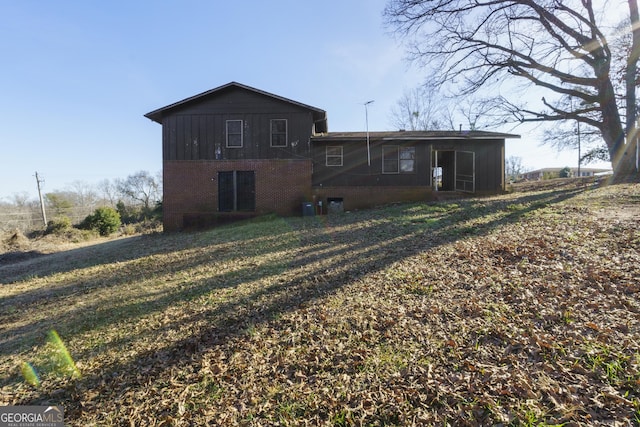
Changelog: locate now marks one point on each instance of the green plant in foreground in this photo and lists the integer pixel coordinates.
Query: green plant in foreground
(58, 360)
(636, 412)
(514, 207)
(290, 410)
(340, 419)
(567, 317)
(29, 373)
(610, 363)
(62, 361)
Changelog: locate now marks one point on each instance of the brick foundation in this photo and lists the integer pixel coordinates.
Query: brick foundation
(368, 197)
(191, 190)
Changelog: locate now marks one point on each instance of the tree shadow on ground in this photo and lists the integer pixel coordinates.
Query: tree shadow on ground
(18, 266)
(331, 253)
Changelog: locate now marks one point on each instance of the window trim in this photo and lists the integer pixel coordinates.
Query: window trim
(412, 160)
(334, 156)
(398, 158)
(286, 132)
(241, 133)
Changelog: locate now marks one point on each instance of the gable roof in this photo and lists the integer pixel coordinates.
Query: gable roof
(319, 115)
(427, 135)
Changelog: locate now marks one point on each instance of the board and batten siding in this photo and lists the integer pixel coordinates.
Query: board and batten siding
(355, 171)
(203, 137)
(198, 131)
(489, 161)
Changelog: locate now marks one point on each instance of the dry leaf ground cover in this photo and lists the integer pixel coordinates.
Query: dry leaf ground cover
(520, 309)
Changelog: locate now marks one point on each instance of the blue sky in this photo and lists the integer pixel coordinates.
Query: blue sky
(78, 76)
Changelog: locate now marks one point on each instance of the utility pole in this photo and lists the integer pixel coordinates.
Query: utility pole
(579, 150)
(44, 214)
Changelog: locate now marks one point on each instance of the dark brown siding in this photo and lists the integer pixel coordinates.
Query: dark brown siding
(489, 161)
(355, 172)
(198, 132)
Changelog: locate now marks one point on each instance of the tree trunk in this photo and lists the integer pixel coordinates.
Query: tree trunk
(622, 151)
(624, 162)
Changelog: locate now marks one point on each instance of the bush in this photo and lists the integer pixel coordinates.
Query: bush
(59, 225)
(130, 214)
(104, 220)
(565, 172)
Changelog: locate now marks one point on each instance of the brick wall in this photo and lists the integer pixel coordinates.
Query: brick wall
(368, 197)
(191, 189)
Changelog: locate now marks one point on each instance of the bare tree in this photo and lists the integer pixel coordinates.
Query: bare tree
(78, 201)
(479, 113)
(84, 193)
(141, 187)
(419, 109)
(427, 108)
(561, 47)
(586, 139)
(109, 191)
(21, 212)
(21, 199)
(513, 167)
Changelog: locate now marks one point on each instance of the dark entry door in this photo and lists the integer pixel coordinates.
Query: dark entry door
(226, 192)
(245, 191)
(236, 191)
(443, 170)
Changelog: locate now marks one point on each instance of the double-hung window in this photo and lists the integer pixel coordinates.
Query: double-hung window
(397, 159)
(334, 156)
(234, 134)
(407, 159)
(279, 132)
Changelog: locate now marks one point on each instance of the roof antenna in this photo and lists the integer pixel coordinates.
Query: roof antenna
(366, 118)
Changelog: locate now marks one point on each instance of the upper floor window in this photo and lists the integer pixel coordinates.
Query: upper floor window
(234, 133)
(334, 156)
(398, 159)
(279, 132)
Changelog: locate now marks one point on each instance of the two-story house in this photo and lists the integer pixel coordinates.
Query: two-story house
(236, 151)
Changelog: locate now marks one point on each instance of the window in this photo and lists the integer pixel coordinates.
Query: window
(407, 159)
(279, 133)
(398, 159)
(236, 191)
(334, 156)
(389, 159)
(234, 133)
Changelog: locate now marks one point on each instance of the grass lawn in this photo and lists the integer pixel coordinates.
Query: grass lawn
(521, 309)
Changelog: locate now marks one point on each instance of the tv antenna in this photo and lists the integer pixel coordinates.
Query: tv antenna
(366, 119)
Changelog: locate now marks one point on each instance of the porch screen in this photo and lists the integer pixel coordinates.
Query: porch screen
(236, 191)
(465, 171)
